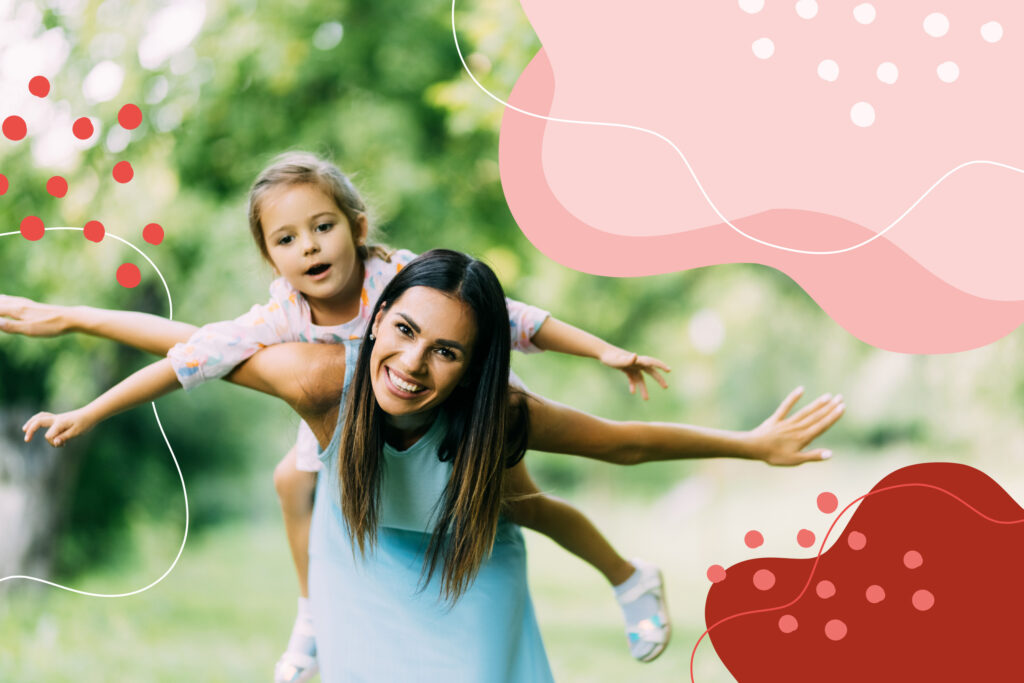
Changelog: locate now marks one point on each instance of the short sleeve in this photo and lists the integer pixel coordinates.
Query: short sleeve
(525, 321)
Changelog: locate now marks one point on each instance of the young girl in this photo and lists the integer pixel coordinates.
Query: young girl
(310, 224)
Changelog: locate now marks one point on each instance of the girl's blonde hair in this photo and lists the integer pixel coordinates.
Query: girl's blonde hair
(305, 168)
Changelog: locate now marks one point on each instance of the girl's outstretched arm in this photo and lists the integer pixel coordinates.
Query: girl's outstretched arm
(151, 333)
(779, 440)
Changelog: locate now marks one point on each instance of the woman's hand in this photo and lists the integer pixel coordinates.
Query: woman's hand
(780, 440)
(19, 315)
(635, 366)
(62, 427)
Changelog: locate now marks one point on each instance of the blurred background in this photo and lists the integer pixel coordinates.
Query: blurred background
(378, 87)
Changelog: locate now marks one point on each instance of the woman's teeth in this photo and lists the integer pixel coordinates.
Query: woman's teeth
(403, 385)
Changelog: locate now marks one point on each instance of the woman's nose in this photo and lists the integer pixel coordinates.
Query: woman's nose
(414, 359)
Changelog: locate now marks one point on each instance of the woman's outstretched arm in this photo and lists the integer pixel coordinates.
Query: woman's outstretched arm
(779, 440)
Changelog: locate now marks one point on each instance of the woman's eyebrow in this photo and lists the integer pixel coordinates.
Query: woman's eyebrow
(416, 328)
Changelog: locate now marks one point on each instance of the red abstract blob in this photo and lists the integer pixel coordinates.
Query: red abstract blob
(3, 184)
(805, 538)
(875, 594)
(14, 128)
(129, 116)
(753, 539)
(788, 623)
(835, 629)
(32, 228)
(716, 573)
(128, 275)
(764, 579)
(922, 600)
(123, 172)
(57, 186)
(825, 589)
(856, 540)
(153, 233)
(94, 232)
(827, 502)
(39, 86)
(82, 128)
(912, 559)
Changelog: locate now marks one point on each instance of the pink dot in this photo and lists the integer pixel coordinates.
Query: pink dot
(827, 502)
(805, 538)
(32, 228)
(39, 86)
(128, 275)
(82, 128)
(94, 231)
(856, 540)
(3, 184)
(123, 172)
(763, 579)
(716, 573)
(835, 629)
(912, 559)
(825, 589)
(787, 623)
(153, 233)
(129, 117)
(922, 600)
(875, 594)
(753, 539)
(57, 186)
(14, 128)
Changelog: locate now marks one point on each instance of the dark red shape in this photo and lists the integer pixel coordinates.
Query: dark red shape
(14, 128)
(129, 117)
(128, 275)
(57, 186)
(827, 502)
(123, 172)
(39, 86)
(753, 538)
(153, 233)
(82, 128)
(3, 184)
(94, 231)
(32, 228)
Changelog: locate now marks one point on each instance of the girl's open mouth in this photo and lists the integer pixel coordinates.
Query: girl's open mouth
(318, 269)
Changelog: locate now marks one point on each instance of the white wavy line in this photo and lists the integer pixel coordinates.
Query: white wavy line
(693, 174)
(170, 305)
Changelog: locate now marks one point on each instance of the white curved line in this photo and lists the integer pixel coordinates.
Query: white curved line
(167, 442)
(693, 174)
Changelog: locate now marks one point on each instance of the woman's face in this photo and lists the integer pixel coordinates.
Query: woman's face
(424, 344)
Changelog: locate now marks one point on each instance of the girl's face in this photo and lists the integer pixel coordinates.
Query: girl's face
(423, 349)
(310, 241)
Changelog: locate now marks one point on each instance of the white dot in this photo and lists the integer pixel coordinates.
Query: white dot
(751, 6)
(763, 48)
(828, 70)
(807, 9)
(948, 72)
(862, 114)
(992, 32)
(864, 13)
(887, 72)
(936, 25)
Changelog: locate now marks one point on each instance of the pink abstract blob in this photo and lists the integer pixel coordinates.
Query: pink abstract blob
(94, 231)
(57, 186)
(716, 573)
(128, 275)
(764, 579)
(835, 629)
(825, 589)
(129, 116)
(123, 172)
(14, 128)
(874, 594)
(827, 502)
(922, 600)
(787, 623)
(39, 86)
(153, 233)
(32, 228)
(912, 559)
(753, 539)
(856, 540)
(82, 128)
(805, 538)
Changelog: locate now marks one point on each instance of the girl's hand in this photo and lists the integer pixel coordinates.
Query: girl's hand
(62, 427)
(635, 366)
(780, 439)
(19, 315)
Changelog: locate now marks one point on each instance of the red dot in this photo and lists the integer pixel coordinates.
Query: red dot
(39, 86)
(835, 629)
(15, 128)
(129, 117)
(82, 128)
(94, 231)
(123, 172)
(827, 502)
(912, 559)
(153, 233)
(128, 275)
(923, 600)
(787, 623)
(763, 579)
(805, 538)
(875, 594)
(32, 228)
(716, 573)
(825, 589)
(753, 539)
(856, 540)
(3, 184)
(57, 186)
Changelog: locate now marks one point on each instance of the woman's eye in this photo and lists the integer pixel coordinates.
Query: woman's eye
(447, 354)
(404, 329)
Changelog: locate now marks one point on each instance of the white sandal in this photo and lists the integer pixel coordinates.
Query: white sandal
(648, 637)
(295, 666)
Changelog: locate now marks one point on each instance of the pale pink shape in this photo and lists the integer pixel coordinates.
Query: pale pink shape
(716, 573)
(912, 559)
(825, 589)
(753, 538)
(763, 579)
(835, 629)
(856, 540)
(827, 502)
(922, 600)
(787, 623)
(875, 594)
(805, 538)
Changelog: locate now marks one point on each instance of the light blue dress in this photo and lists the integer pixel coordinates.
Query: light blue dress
(376, 623)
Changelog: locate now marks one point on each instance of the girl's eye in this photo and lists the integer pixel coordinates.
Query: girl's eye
(287, 239)
(324, 227)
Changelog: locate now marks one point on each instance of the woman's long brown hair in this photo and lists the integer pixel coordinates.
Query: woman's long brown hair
(485, 434)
